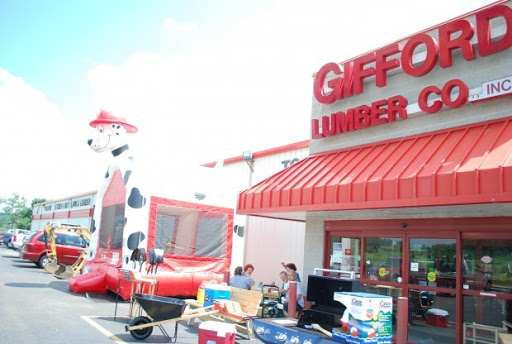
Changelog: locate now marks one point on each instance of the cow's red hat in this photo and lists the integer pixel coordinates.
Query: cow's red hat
(105, 117)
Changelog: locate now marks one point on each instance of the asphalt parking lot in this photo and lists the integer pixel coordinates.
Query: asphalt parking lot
(39, 308)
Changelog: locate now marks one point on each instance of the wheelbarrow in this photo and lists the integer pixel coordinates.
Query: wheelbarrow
(161, 310)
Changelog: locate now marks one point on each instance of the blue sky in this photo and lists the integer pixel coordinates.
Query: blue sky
(203, 80)
(52, 44)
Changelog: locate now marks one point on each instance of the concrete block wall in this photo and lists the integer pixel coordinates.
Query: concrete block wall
(313, 248)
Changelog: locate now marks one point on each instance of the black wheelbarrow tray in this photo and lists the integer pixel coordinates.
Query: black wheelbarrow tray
(161, 310)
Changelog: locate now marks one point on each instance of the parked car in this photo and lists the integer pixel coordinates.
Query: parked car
(17, 238)
(5, 238)
(69, 247)
(474, 276)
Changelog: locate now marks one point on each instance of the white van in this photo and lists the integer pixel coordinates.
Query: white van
(17, 238)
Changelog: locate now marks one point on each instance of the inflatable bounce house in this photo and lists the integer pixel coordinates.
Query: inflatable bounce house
(135, 236)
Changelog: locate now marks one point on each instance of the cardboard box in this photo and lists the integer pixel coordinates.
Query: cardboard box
(367, 319)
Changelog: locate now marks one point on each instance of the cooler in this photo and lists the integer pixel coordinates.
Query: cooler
(200, 293)
(437, 317)
(214, 332)
(216, 292)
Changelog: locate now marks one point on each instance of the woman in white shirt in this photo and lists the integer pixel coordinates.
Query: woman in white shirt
(292, 277)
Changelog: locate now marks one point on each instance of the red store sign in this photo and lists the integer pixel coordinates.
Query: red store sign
(452, 36)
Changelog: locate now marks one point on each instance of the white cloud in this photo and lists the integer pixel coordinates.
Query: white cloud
(249, 90)
(173, 26)
(42, 154)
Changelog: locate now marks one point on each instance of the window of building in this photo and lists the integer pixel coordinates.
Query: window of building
(383, 259)
(345, 254)
(487, 265)
(432, 262)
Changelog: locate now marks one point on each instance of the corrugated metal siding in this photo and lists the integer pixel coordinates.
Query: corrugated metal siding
(269, 165)
(471, 164)
(270, 242)
(264, 236)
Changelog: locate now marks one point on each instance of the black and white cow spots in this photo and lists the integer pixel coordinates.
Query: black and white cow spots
(93, 226)
(111, 132)
(127, 175)
(135, 239)
(136, 200)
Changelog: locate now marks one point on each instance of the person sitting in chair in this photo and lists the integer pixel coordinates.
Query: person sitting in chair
(239, 280)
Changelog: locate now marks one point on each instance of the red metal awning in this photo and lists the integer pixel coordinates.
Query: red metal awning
(463, 165)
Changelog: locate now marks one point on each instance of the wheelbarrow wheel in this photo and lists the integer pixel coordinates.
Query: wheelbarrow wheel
(142, 333)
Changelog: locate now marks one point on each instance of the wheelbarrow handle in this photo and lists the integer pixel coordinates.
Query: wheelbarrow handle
(156, 323)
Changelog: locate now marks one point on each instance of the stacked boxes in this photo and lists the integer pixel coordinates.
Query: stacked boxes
(367, 319)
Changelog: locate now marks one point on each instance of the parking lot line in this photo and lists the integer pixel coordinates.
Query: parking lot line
(107, 333)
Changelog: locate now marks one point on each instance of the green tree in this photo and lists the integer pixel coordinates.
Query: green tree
(37, 201)
(18, 213)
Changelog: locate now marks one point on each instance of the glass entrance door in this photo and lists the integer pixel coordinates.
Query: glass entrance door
(457, 273)
(486, 288)
(432, 280)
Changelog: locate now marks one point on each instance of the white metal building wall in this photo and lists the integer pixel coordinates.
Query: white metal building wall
(268, 165)
(266, 242)
(272, 241)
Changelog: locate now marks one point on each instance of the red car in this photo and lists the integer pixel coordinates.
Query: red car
(69, 246)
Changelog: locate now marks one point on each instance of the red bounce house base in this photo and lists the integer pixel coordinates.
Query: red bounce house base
(194, 242)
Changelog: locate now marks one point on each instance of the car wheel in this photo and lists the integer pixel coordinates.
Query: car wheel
(43, 261)
(142, 333)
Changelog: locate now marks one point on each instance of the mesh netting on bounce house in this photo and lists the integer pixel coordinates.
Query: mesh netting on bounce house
(195, 239)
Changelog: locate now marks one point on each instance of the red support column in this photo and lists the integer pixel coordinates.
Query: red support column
(292, 299)
(402, 320)
(227, 274)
